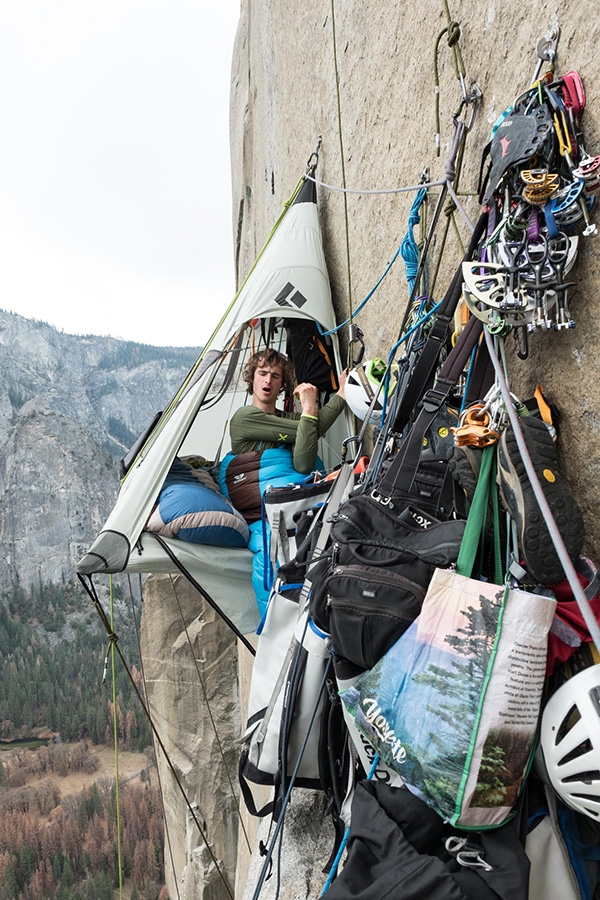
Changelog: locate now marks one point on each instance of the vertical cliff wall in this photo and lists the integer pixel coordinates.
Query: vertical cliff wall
(378, 133)
(362, 76)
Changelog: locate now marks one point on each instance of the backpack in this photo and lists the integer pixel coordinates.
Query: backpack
(312, 356)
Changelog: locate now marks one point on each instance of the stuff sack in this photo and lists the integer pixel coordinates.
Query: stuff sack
(453, 706)
(191, 508)
(286, 692)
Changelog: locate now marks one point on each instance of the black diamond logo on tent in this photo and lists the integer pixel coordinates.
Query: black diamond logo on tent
(289, 296)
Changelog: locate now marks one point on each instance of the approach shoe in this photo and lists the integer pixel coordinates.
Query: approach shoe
(536, 546)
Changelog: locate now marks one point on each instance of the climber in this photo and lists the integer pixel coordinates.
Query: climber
(261, 426)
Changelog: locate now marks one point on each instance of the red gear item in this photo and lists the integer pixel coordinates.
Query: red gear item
(569, 615)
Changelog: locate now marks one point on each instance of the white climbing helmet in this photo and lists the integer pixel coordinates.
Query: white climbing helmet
(570, 741)
(364, 383)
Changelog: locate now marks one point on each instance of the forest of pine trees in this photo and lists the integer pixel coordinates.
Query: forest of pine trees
(71, 853)
(56, 685)
(52, 654)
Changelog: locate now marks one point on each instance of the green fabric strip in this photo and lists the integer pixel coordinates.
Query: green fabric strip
(477, 515)
(474, 733)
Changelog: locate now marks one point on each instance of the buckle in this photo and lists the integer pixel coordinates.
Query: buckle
(379, 498)
(433, 400)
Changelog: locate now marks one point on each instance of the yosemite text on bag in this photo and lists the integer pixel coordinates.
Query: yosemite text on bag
(453, 706)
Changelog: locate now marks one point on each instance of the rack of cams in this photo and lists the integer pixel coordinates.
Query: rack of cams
(539, 192)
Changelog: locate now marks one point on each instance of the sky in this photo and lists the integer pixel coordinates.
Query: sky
(115, 198)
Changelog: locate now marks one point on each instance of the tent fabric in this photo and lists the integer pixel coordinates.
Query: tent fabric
(289, 280)
(224, 572)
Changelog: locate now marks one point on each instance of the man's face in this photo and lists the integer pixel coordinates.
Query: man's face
(267, 383)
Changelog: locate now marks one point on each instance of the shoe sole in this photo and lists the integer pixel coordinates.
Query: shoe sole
(539, 553)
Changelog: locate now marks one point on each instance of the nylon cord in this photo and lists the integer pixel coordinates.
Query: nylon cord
(160, 787)
(343, 165)
(91, 592)
(116, 738)
(559, 545)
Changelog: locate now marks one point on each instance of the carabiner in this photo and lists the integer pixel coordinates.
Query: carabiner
(355, 336)
(310, 165)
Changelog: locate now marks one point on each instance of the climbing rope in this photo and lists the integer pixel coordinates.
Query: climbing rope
(89, 587)
(399, 190)
(160, 787)
(561, 550)
(342, 160)
(452, 30)
(409, 247)
(113, 643)
(210, 713)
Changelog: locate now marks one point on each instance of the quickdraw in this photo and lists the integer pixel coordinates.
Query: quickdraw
(539, 193)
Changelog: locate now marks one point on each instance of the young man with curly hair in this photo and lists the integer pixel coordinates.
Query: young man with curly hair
(261, 426)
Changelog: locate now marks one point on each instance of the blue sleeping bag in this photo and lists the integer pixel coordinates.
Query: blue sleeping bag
(191, 508)
(243, 478)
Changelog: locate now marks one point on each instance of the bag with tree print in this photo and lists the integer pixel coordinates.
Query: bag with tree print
(453, 706)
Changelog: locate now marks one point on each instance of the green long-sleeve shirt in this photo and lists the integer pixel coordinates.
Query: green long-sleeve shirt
(253, 429)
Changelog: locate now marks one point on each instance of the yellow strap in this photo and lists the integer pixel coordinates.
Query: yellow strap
(562, 133)
(116, 741)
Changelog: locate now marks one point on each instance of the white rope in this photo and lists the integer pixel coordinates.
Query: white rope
(561, 550)
(460, 207)
(400, 190)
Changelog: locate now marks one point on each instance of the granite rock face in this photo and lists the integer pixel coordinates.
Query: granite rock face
(379, 133)
(361, 76)
(70, 408)
(191, 675)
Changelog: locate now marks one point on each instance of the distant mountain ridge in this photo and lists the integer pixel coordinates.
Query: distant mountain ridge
(70, 407)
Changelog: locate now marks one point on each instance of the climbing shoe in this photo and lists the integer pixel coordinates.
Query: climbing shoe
(538, 551)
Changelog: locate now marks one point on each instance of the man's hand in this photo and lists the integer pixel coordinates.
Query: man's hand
(342, 388)
(307, 395)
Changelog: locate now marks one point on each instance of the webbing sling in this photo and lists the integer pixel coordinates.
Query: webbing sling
(436, 339)
(401, 474)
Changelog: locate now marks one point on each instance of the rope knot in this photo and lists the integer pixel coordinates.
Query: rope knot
(450, 207)
(449, 170)
(453, 33)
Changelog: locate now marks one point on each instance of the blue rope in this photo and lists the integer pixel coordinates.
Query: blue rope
(468, 381)
(410, 254)
(338, 856)
(367, 298)
(409, 248)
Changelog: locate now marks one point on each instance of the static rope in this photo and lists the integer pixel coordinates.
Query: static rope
(409, 247)
(367, 298)
(342, 847)
(398, 190)
(115, 735)
(339, 115)
(88, 586)
(286, 799)
(160, 787)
